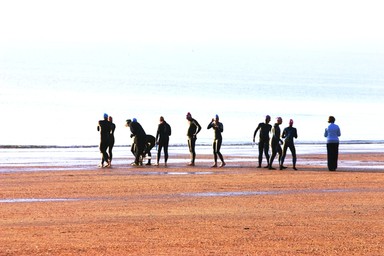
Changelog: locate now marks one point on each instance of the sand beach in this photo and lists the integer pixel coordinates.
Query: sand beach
(180, 210)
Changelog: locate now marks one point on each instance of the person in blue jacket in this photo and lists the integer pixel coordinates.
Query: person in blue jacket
(332, 133)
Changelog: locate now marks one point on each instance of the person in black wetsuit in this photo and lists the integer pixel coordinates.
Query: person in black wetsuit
(193, 129)
(275, 142)
(111, 141)
(139, 140)
(265, 129)
(217, 141)
(104, 127)
(150, 143)
(289, 133)
(162, 139)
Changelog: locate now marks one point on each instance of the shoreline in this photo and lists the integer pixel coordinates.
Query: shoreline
(352, 156)
(31, 160)
(177, 145)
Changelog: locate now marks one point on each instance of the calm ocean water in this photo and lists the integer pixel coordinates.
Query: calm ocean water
(56, 95)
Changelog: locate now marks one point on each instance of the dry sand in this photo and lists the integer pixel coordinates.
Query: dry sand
(236, 210)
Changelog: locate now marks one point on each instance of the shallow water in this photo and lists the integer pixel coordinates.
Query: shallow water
(87, 158)
(240, 83)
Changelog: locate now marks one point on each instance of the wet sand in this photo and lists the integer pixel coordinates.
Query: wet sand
(179, 210)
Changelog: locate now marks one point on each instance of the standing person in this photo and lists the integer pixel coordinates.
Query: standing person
(104, 127)
(111, 141)
(289, 133)
(162, 139)
(275, 142)
(193, 129)
(265, 129)
(139, 140)
(150, 143)
(218, 128)
(332, 133)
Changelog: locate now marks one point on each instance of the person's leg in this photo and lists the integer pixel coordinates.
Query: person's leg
(149, 157)
(137, 153)
(274, 153)
(140, 153)
(218, 147)
(133, 148)
(214, 146)
(279, 151)
(294, 158)
(166, 143)
(101, 146)
(191, 145)
(190, 148)
(261, 148)
(335, 155)
(110, 152)
(105, 155)
(110, 148)
(266, 152)
(159, 148)
(332, 155)
(285, 148)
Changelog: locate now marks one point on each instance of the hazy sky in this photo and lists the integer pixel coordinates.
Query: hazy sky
(26, 24)
(296, 21)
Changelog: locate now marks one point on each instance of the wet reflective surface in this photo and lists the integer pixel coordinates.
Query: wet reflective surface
(197, 194)
(35, 200)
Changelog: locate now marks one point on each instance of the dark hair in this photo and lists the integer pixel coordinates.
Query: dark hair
(331, 119)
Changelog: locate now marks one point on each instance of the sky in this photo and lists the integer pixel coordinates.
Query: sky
(296, 22)
(50, 24)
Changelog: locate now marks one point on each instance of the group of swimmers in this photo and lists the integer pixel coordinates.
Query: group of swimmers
(143, 143)
(289, 134)
(106, 128)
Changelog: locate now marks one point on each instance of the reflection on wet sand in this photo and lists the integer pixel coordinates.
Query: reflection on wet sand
(196, 194)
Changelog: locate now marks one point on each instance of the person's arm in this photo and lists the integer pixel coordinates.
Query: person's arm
(169, 129)
(198, 127)
(284, 134)
(254, 134)
(221, 127)
(157, 133)
(273, 132)
(210, 125)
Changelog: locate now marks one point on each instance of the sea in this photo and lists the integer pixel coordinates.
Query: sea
(52, 96)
